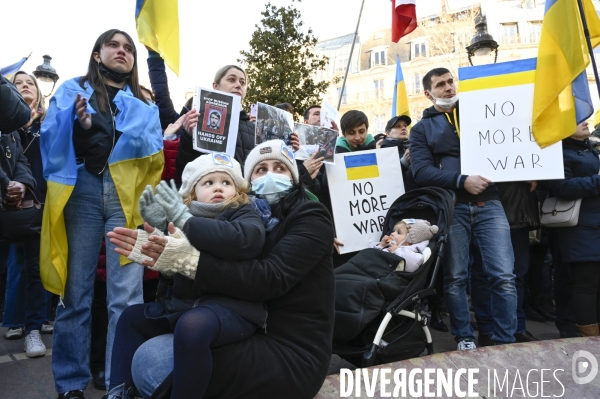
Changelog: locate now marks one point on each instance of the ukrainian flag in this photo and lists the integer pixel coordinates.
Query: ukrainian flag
(561, 94)
(136, 161)
(157, 23)
(492, 76)
(362, 166)
(9, 70)
(400, 101)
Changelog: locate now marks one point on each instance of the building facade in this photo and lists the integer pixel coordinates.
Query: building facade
(439, 41)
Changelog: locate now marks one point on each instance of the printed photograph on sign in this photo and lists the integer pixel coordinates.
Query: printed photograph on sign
(218, 122)
(362, 186)
(496, 140)
(316, 139)
(273, 124)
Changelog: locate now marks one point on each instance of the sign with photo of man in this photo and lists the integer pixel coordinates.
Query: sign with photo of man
(217, 127)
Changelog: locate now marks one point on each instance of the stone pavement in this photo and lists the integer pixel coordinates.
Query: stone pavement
(24, 378)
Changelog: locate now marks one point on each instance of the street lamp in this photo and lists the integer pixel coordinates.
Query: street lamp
(46, 73)
(482, 43)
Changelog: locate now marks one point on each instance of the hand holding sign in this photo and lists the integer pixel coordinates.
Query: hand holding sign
(476, 184)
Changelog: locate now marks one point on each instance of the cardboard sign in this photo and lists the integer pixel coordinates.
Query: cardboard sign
(217, 127)
(363, 185)
(496, 106)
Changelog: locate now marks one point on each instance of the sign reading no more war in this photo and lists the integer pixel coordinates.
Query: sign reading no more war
(496, 103)
(362, 186)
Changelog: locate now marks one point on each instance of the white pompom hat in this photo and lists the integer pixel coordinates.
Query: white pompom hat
(209, 163)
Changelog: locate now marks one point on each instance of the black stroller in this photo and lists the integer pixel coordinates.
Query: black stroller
(379, 311)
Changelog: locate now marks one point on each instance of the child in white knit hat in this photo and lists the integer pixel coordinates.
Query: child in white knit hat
(408, 240)
(213, 209)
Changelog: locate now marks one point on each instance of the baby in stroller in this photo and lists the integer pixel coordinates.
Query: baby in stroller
(408, 240)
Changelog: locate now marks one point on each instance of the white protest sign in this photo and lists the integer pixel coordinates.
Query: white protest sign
(217, 127)
(362, 186)
(496, 104)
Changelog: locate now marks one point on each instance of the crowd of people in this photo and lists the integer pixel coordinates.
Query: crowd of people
(244, 245)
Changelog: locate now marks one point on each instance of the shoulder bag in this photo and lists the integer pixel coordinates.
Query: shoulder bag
(558, 212)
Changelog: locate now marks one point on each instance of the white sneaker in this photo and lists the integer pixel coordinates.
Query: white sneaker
(34, 347)
(47, 329)
(466, 344)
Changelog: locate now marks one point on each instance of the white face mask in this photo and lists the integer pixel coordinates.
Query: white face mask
(445, 102)
(272, 186)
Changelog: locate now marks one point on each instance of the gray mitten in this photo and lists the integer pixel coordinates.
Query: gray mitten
(151, 211)
(178, 256)
(168, 197)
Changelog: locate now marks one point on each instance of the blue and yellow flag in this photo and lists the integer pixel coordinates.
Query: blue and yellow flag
(561, 94)
(136, 161)
(8, 71)
(505, 74)
(157, 23)
(400, 101)
(362, 166)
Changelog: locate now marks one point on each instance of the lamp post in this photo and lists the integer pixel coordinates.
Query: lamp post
(46, 73)
(482, 44)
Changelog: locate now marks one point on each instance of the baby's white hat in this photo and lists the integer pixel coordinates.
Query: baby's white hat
(209, 163)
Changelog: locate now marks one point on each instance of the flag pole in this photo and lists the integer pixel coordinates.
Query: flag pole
(589, 44)
(350, 58)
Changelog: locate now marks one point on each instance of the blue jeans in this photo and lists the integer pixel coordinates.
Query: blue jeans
(152, 364)
(481, 286)
(25, 301)
(488, 226)
(92, 211)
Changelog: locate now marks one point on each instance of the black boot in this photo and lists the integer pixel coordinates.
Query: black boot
(436, 320)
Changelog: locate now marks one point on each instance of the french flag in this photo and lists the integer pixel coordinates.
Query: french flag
(404, 18)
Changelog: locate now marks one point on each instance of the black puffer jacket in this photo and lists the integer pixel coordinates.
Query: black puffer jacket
(14, 111)
(243, 146)
(294, 276)
(241, 226)
(30, 140)
(13, 163)
(160, 85)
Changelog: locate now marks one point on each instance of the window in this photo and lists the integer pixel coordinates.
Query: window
(339, 90)
(510, 33)
(378, 57)
(418, 49)
(380, 122)
(417, 83)
(378, 88)
(341, 65)
(535, 30)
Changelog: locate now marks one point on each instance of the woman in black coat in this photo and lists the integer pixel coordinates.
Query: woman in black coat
(293, 276)
(578, 245)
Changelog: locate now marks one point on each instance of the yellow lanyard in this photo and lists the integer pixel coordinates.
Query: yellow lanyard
(455, 124)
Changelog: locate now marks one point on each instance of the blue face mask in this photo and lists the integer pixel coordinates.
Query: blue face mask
(272, 186)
